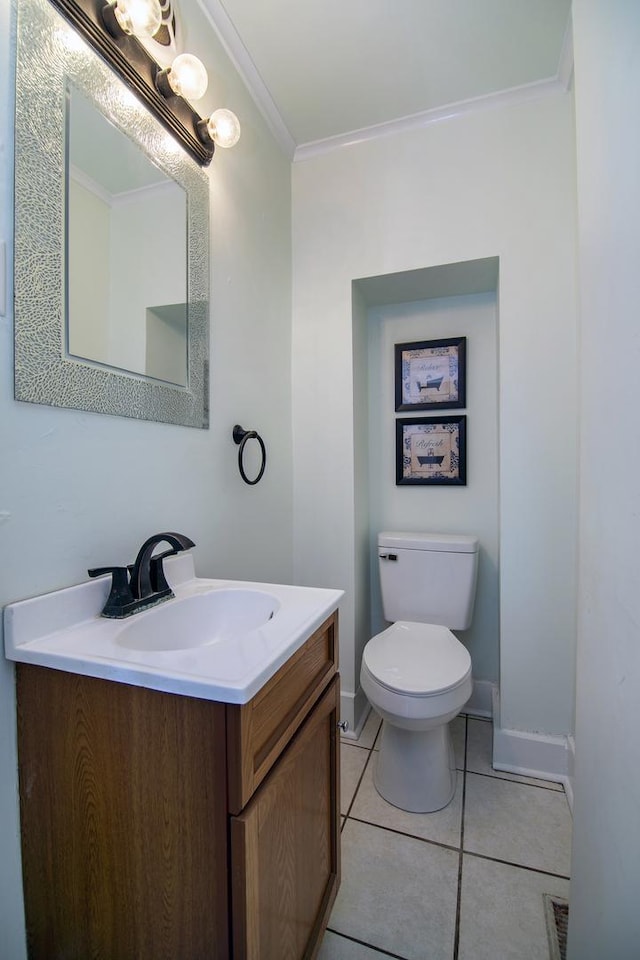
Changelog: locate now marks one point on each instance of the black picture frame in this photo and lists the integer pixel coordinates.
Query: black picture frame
(431, 451)
(431, 374)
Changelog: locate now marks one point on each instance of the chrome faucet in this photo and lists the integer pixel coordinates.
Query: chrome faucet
(143, 583)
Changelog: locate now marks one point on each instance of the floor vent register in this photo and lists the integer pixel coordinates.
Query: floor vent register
(556, 912)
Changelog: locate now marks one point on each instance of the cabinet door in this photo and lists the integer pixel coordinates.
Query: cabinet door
(285, 846)
(124, 820)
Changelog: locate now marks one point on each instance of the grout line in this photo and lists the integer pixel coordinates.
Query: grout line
(518, 866)
(448, 846)
(364, 943)
(519, 783)
(355, 792)
(403, 833)
(456, 939)
(352, 743)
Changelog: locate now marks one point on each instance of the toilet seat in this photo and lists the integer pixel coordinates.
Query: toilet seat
(417, 659)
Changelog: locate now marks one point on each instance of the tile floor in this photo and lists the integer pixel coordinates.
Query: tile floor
(464, 883)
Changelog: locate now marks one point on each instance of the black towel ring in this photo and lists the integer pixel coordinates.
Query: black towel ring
(240, 435)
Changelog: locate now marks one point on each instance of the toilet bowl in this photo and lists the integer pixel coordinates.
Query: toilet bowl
(417, 676)
(416, 673)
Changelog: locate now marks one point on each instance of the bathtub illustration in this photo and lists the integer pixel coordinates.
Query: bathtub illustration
(433, 384)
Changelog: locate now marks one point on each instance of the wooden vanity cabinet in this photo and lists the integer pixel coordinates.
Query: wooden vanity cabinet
(164, 827)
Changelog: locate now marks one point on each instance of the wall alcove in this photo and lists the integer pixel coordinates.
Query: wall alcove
(448, 300)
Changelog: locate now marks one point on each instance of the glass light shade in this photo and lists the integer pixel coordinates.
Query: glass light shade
(142, 18)
(188, 77)
(224, 128)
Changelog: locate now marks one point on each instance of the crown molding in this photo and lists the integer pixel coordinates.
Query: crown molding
(239, 56)
(88, 183)
(565, 68)
(503, 98)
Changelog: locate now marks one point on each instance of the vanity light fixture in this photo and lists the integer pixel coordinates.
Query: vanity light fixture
(187, 77)
(112, 30)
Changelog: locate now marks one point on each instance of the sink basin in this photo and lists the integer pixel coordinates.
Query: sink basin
(198, 621)
(216, 639)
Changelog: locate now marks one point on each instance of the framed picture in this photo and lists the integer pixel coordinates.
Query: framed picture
(431, 374)
(431, 450)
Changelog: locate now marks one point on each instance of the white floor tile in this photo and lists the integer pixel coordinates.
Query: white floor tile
(480, 752)
(397, 893)
(335, 947)
(352, 763)
(502, 912)
(522, 824)
(443, 826)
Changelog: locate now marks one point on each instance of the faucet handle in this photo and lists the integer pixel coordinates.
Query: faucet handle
(120, 596)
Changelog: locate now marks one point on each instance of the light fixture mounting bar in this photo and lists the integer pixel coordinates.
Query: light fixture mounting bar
(137, 68)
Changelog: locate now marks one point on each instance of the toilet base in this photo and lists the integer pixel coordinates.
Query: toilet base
(416, 769)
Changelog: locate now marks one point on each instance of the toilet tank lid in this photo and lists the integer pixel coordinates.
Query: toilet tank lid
(445, 542)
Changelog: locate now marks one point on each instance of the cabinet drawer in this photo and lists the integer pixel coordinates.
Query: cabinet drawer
(258, 731)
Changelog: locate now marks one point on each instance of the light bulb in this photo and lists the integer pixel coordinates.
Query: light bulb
(187, 77)
(224, 128)
(142, 18)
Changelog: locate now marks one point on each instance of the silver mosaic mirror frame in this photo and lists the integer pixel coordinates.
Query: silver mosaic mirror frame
(50, 52)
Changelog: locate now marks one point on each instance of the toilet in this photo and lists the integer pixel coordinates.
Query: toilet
(416, 674)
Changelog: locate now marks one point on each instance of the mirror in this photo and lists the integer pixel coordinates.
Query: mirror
(112, 235)
(120, 309)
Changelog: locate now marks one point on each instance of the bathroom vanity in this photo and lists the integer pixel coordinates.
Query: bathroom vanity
(161, 825)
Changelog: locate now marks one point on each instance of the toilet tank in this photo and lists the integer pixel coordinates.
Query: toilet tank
(429, 578)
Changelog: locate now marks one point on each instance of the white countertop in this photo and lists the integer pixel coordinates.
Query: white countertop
(64, 630)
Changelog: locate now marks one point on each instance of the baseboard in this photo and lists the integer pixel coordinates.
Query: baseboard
(529, 754)
(480, 703)
(354, 708)
(568, 781)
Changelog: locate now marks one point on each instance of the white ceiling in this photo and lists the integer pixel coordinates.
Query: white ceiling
(342, 70)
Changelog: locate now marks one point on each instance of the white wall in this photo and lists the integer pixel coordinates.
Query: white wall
(470, 509)
(78, 490)
(497, 183)
(604, 919)
(353, 699)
